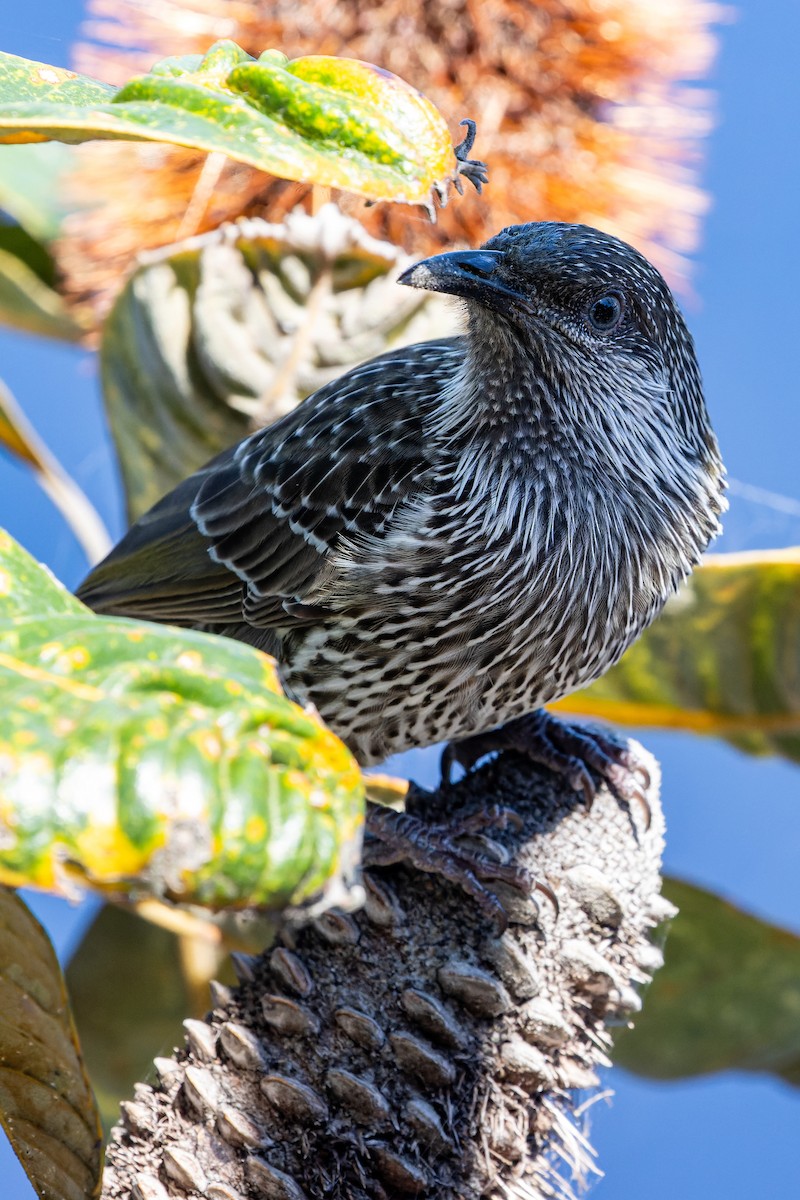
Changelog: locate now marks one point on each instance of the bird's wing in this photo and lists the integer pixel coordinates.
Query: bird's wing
(252, 532)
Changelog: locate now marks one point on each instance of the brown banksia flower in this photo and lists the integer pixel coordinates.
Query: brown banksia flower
(585, 112)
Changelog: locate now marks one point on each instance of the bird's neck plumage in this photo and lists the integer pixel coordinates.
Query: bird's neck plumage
(535, 463)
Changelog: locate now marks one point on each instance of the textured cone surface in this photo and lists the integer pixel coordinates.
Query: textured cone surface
(407, 1049)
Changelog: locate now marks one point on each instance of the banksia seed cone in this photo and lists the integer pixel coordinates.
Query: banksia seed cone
(581, 117)
(407, 1050)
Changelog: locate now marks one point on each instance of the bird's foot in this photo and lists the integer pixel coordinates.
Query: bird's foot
(394, 837)
(471, 168)
(579, 754)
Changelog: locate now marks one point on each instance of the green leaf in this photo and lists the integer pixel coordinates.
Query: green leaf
(727, 997)
(29, 187)
(19, 438)
(322, 120)
(142, 760)
(29, 193)
(46, 1105)
(723, 659)
(225, 333)
(28, 302)
(27, 588)
(17, 241)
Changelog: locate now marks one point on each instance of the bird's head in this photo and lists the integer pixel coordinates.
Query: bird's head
(591, 323)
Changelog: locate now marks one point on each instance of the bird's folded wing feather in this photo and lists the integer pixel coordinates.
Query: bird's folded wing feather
(255, 529)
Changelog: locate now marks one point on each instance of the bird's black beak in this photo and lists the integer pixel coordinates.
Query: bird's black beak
(474, 274)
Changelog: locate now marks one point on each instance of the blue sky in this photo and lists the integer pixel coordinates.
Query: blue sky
(733, 822)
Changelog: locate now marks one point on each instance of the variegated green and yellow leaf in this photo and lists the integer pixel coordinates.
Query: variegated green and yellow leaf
(143, 760)
(331, 121)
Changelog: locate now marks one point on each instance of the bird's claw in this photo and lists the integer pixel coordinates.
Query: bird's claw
(495, 816)
(471, 168)
(394, 837)
(579, 754)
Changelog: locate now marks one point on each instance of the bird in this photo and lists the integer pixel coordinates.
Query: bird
(454, 534)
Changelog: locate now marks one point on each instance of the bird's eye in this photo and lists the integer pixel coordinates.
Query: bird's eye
(606, 312)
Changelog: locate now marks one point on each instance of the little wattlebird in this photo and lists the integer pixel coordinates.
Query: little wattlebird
(456, 533)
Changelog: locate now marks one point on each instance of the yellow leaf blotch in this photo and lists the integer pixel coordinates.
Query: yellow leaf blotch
(296, 779)
(76, 658)
(44, 73)
(190, 660)
(319, 799)
(22, 139)
(255, 831)
(209, 744)
(271, 681)
(81, 691)
(105, 854)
